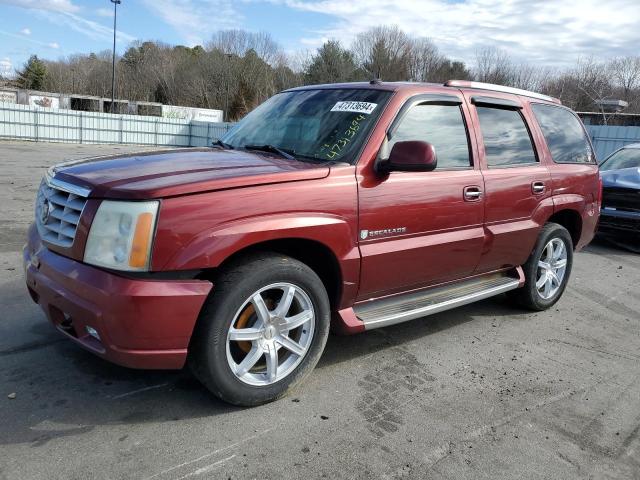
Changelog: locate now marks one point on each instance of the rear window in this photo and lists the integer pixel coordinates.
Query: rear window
(564, 134)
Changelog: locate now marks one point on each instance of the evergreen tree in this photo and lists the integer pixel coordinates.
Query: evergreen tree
(332, 64)
(32, 76)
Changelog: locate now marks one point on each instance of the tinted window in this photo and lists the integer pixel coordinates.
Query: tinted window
(564, 134)
(506, 138)
(627, 158)
(440, 125)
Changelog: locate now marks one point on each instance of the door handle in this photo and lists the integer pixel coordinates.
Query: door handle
(472, 193)
(537, 187)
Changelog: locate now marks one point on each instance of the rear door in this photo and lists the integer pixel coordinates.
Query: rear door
(517, 185)
(423, 228)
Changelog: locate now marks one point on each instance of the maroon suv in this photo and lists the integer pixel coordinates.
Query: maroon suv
(354, 205)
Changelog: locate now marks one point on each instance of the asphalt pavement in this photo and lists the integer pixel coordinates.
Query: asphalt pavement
(486, 391)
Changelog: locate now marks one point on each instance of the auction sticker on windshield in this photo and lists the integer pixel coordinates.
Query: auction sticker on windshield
(357, 107)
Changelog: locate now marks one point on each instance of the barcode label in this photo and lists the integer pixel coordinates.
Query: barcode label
(357, 107)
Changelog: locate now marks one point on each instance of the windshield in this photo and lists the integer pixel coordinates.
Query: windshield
(323, 125)
(627, 158)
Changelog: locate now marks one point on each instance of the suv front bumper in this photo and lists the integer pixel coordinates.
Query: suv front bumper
(135, 323)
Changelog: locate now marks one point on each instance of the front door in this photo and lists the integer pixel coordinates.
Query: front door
(423, 228)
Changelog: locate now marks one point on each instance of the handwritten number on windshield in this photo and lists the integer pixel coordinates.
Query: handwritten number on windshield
(332, 150)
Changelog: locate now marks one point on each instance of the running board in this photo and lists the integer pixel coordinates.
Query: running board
(401, 308)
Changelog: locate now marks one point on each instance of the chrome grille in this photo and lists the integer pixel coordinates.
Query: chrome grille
(58, 209)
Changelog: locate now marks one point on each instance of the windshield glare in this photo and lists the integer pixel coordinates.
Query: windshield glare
(627, 158)
(325, 124)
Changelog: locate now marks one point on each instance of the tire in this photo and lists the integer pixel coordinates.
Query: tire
(530, 295)
(216, 355)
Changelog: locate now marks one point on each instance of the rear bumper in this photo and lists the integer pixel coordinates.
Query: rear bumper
(619, 223)
(140, 323)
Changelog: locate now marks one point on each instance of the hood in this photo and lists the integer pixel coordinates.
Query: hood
(623, 178)
(181, 171)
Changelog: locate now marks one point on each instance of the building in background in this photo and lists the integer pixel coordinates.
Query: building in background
(612, 119)
(88, 103)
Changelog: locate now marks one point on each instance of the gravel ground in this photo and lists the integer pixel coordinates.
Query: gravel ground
(481, 392)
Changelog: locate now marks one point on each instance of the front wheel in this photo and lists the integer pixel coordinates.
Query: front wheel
(547, 270)
(262, 331)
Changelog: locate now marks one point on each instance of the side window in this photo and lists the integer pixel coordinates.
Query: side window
(440, 125)
(564, 135)
(506, 139)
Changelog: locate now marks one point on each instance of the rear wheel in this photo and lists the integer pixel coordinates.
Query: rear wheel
(547, 270)
(262, 331)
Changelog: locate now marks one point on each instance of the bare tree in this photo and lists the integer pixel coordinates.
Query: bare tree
(625, 72)
(384, 52)
(239, 42)
(424, 59)
(241, 69)
(493, 65)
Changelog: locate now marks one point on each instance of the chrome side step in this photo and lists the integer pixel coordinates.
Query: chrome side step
(401, 308)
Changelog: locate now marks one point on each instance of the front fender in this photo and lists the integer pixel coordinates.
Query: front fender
(211, 247)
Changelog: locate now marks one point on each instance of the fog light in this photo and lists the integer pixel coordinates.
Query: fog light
(93, 332)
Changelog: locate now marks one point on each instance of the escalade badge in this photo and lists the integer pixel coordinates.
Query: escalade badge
(364, 234)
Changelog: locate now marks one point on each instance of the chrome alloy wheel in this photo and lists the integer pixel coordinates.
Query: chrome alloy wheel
(552, 267)
(270, 334)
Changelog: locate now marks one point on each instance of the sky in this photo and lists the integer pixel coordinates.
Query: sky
(545, 32)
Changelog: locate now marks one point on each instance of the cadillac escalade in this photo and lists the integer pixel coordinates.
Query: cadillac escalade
(347, 206)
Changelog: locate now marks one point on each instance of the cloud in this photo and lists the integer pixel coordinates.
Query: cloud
(50, 5)
(89, 28)
(25, 31)
(544, 31)
(27, 39)
(104, 12)
(63, 13)
(196, 20)
(6, 67)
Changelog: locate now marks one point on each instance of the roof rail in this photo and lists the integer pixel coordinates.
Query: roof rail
(500, 88)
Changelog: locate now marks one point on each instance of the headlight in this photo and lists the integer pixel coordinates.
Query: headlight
(121, 235)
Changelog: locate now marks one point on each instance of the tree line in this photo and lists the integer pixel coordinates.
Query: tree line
(236, 70)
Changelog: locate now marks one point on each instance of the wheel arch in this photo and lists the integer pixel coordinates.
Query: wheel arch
(316, 255)
(571, 220)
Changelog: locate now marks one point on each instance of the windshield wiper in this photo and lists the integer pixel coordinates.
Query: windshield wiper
(220, 143)
(271, 149)
(314, 159)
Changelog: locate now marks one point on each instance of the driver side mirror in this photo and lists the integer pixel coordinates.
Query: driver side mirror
(410, 156)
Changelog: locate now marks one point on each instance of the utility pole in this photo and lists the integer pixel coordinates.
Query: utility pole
(113, 64)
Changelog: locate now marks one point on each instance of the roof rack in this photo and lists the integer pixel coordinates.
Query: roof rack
(500, 88)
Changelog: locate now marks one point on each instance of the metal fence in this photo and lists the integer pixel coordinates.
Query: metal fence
(607, 139)
(22, 122)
